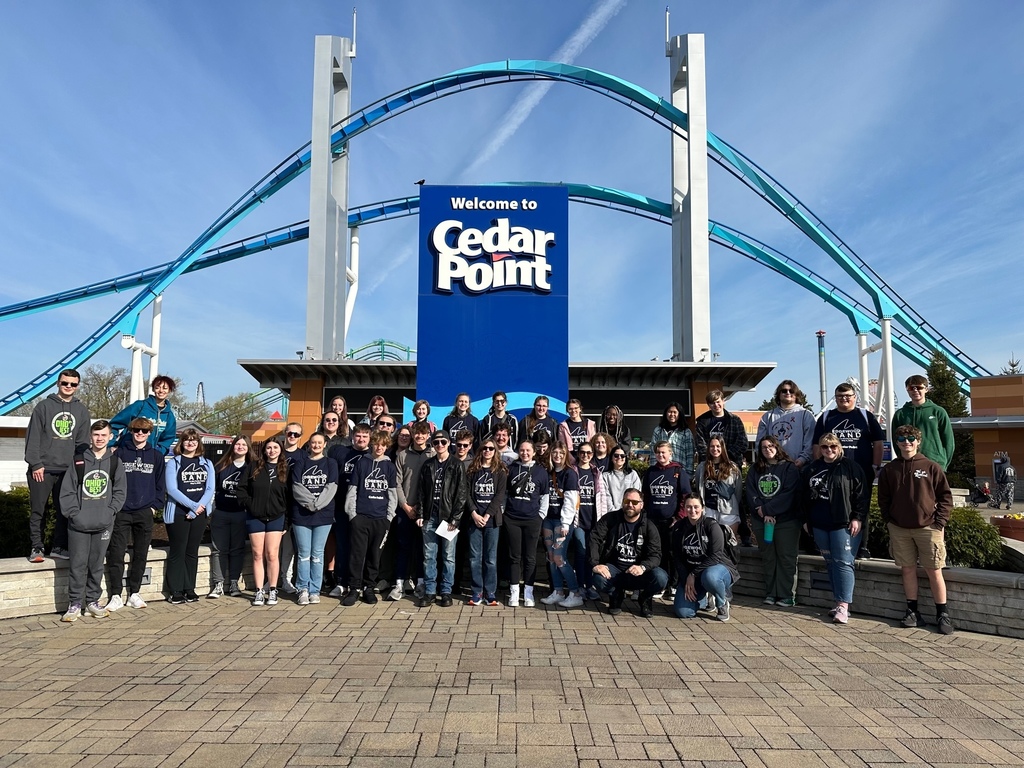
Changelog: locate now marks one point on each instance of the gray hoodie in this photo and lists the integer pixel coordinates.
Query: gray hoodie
(56, 432)
(91, 508)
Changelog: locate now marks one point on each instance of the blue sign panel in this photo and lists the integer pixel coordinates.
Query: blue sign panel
(493, 294)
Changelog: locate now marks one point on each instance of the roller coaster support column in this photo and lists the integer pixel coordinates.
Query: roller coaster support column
(352, 276)
(887, 394)
(328, 199)
(862, 367)
(691, 281)
(138, 389)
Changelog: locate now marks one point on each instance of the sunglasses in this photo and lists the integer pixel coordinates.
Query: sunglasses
(830, 447)
(464, 445)
(385, 424)
(785, 391)
(500, 400)
(584, 453)
(72, 384)
(293, 434)
(439, 442)
(141, 431)
(330, 421)
(906, 439)
(488, 449)
(618, 455)
(630, 502)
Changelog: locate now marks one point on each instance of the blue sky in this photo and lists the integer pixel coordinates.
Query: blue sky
(130, 127)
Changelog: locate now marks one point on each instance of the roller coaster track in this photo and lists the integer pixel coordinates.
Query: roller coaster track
(639, 99)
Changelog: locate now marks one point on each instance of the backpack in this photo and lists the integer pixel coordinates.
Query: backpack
(731, 543)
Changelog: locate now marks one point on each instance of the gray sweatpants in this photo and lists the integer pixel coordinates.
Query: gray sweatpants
(88, 554)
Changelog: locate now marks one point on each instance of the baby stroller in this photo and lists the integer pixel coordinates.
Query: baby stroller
(980, 491)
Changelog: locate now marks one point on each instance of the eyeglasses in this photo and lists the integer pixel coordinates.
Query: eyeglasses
(844, 397)
(293, 434)
(439, 442)
(463, 445)
(190, 440)
(830, 447)
(141, 431)
(906, 439)
(72, 384)
(584, 453)
(488, 449)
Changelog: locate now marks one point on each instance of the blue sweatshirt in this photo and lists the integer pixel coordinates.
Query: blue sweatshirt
(314, 486)
(664, 489)
(190, 483)
(373, 489)
(144, 473)
(165, 425)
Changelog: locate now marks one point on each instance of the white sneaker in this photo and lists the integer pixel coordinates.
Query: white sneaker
(303, 597)
(96, 610)
(288, 588)
(513, 596)
(528, 601)
(73, 612)
(259, 599)
(272, 597)
(338, 591)
(572, 600)
(396, 593)
(115, 603)
(314, 599)
(555, 598)
(216, 591)
(135, 601)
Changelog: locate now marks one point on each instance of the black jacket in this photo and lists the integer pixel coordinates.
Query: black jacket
(695, 548)
(264, 498)
(454, 490)
(846, 486)
(603, 539)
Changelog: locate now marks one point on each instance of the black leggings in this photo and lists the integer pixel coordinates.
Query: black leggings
(183, 555)
(523, 536)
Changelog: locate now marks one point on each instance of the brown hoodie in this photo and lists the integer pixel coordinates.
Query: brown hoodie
(914, 493)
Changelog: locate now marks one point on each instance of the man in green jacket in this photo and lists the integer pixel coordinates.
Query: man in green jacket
(933, 421)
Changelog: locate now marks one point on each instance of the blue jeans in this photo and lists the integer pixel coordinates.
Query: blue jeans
(578, 550)
(309, 546)
(483, 559)
(837, 549)
(562, 573)
(715, 581)
(649, 583)
(431, 543)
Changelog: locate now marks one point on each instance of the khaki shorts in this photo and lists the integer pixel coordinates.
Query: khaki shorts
(908, 546)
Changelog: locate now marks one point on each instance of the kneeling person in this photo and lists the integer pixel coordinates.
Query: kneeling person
(370, 504)
(706, 572)
(625, 552)
(91, 494)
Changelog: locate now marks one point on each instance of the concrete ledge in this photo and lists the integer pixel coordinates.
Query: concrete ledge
(990, 602)
(31, 589)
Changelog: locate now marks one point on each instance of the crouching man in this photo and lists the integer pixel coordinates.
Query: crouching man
(625, 552)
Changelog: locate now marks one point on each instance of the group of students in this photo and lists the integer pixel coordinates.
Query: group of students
(333, 502)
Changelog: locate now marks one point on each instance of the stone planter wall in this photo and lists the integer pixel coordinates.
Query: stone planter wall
(991, 602)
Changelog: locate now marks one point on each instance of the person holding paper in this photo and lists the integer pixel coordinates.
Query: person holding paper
(442, 496)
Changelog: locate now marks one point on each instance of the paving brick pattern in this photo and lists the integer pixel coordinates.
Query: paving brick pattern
(221, 684)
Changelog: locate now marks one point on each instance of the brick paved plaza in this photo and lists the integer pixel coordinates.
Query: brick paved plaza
(222, 684)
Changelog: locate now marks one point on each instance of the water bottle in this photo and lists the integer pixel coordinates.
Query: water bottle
(769, 532)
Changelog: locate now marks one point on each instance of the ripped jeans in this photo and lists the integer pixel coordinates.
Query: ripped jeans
(837, 549)
(557, 547)
(309, 548)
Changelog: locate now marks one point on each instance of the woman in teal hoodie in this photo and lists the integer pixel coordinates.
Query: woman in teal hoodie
(156, 408)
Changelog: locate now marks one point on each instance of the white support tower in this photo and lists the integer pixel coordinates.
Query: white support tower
(139, 386)
(691, 275)
(326, 276)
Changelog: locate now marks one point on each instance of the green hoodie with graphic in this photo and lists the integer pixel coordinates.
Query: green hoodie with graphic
(90, 507)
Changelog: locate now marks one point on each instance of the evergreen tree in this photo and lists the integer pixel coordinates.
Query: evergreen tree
(944, 390)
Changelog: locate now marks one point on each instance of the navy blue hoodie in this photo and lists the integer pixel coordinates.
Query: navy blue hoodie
(144, 472)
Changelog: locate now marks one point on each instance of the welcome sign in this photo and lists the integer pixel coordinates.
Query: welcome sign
(493, 294)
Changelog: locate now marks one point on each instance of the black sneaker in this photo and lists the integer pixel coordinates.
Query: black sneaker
(351, 598)
(946, 624)
(446, 601)
(191, 596)
(426, 601)
(178, 598)
(368, 597)
(864, 554)
(615, 602)
(647, 608)
(913, 619)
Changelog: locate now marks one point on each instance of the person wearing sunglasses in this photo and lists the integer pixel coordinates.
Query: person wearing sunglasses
(833, 511)
(191, 482)
(157, 408)
(619, 477)
(57, 429)
(916, 504)
(498, 415)
(461, 417)
(487, 483)
(937, 441)
(789, 423)
(463, 446)
(144, 475)
(330, 428)
(443, 489)
(292, 443)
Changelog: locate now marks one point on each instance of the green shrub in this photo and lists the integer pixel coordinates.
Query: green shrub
(14, 511)
(971, 541)
(639, 465)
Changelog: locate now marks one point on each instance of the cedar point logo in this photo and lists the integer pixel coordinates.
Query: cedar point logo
(500, 246)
